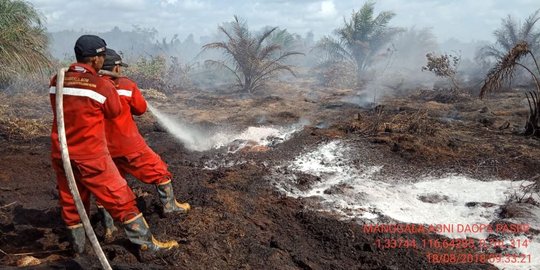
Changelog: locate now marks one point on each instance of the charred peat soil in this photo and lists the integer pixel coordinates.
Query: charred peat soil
(239, 220)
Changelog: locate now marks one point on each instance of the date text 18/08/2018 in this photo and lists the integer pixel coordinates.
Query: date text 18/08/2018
(468, 258)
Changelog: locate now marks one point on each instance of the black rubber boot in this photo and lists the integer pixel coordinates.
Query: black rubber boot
(166, 196)
(108, 224)
(138, 232)
(77, 238)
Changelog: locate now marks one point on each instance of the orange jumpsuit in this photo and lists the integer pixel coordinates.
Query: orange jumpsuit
(88, 100)
(130, 152)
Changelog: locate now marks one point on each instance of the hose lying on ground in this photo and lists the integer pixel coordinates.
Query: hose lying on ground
(69, 172)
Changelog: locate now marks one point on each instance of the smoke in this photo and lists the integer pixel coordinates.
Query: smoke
(397, 68)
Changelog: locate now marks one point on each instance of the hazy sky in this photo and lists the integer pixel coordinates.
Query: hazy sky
(465, 20)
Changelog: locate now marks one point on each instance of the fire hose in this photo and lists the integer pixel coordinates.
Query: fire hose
(69, 171)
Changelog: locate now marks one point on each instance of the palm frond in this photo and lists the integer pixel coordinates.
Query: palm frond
(333, 49)
(383, 19)
(510, 27)
(220, 64)
(265, 35)
(281, 37)
(23, 42)
(528, 26)
(509, 34)
(490, 51)
(224, 31)
(505, 68)
(267, 51)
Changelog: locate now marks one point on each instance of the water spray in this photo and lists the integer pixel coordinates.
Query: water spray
(196, 139)
(192, 138)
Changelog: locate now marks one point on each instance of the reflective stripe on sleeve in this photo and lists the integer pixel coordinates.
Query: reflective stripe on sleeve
(122, 92)
(70, 91)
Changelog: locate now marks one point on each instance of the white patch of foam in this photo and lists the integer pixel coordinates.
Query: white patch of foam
(327, 159)
(216, 164)
(196, 139)
(266, 136)
(349, 189)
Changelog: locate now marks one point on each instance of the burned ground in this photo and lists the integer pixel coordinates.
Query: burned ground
(239, 220)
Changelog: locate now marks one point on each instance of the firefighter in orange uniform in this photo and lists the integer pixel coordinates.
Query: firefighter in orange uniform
(88, 100)
(128, 149)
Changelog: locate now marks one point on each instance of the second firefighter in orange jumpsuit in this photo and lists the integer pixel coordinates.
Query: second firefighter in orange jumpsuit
(128, 148)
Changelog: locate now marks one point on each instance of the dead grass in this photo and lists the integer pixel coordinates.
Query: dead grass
(25, 116)
(23, 129)
(380, 120)
(529, 193)
(154, 94)
(481, 137)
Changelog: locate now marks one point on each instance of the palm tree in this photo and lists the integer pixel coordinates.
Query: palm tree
(360, 38)
(516, 47)
(23, 42)
(504, 70)
(509, 34)
(253, 59)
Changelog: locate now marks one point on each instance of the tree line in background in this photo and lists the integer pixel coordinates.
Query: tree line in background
(364, 47)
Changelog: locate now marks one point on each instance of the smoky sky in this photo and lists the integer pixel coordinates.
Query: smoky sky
(465, 20)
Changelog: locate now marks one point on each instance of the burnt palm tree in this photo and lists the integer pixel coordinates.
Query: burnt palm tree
(251, 58)
(504, 71)
(516, 47)
(361, 37)
(23, 42)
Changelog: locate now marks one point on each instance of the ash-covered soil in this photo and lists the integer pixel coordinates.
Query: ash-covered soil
(239, 220)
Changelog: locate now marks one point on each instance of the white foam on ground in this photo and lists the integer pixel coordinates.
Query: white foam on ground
(196, 139)
(263, 135)
(349, 189)
(216, 164)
